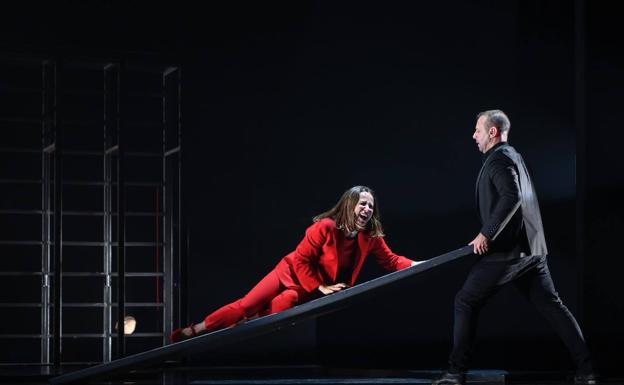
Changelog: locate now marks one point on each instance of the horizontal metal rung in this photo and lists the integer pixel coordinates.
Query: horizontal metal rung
(80, 213)
(114, 244)
(84, 123)
(101, 213)
(79, 304)
(140, 335)
(97, 124)
(147, 125)
(100, 274)
(20, 212)
(144, 154)
(20, 335)
(82, 243)
(141, 304)
(21, 120)
(20, 181)
(20, 90)
(113, 335)
(95, 66)
(78, 243)
(173, 151)
(112, 150)
(150, 95)
(80, 183)
(142, 214)
(38, 363)
(142, 184)
(148, 69)
(21, 150)
(50, 148)
(83, 335)
(102, 304)
(81, 152)
(17, 243)
(82, 92)
(24, 60)
(169, 71)
(77, 274)
(81, 363)
(139, 154)
(102, 183)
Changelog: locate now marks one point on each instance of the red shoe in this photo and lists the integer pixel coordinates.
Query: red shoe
(177, 335)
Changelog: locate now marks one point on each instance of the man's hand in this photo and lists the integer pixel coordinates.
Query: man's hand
(480, 244)
(330, 289)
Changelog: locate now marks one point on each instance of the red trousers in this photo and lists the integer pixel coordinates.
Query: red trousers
(270, 295)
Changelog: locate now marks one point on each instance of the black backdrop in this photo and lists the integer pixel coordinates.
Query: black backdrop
(288, 104)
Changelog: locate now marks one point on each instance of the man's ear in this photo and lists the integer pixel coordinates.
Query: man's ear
(494, 131)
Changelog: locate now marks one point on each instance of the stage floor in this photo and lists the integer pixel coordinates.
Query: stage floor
(286, 375)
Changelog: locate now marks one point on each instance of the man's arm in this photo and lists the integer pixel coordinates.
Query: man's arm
(504, 177)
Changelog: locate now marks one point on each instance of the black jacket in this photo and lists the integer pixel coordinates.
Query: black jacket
(508, 206)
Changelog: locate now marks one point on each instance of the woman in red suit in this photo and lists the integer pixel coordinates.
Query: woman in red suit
(327, 260)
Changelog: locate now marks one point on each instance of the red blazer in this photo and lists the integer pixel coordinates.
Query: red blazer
(315, 260)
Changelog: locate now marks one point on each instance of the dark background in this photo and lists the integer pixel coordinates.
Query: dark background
(286, 105)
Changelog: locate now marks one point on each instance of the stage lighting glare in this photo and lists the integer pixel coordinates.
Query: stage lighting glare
(129, 325)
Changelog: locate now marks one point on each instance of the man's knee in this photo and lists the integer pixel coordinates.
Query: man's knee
(466, 301)
(551, 302)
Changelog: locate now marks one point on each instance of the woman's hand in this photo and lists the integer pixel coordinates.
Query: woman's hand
(330, 289)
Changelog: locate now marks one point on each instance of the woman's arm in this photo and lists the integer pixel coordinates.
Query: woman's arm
(387, 259)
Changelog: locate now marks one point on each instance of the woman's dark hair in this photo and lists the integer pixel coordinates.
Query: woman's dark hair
(343, 212)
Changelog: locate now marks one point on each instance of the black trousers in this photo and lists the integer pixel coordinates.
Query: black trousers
(532, 278)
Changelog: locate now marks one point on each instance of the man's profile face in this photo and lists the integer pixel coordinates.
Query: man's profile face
(481, 135)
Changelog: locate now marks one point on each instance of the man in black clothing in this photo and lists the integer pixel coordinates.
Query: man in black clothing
(512, 247)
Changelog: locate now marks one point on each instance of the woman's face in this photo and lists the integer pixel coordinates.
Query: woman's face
(364, 209)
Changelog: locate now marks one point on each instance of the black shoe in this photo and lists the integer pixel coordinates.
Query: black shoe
(585, 379)
(448, 378)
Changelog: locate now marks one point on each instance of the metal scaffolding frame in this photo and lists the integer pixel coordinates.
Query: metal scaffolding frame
(114, 155)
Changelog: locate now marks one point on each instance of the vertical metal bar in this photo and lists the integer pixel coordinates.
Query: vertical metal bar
(168, 307)
(46, 114)
(109, 125)
(121, 221)
(175, 268)
(58, 216)
(182, 239)
(581, 149)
